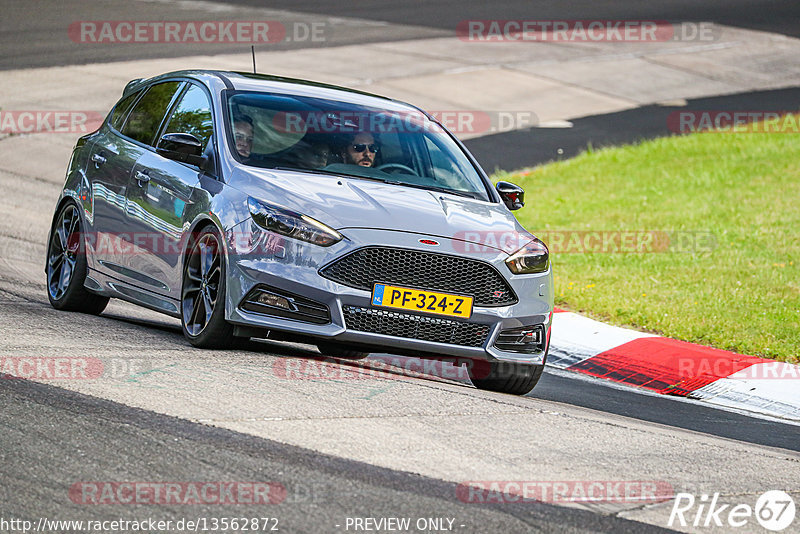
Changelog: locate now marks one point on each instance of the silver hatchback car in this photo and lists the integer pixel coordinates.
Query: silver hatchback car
(257, 206)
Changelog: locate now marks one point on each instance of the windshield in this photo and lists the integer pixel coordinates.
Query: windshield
(331, 137)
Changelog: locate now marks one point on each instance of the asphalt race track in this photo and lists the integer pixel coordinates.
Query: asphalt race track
(322, 490)
(766, 15)
(369, 440)
(533, 146)
(38, 41)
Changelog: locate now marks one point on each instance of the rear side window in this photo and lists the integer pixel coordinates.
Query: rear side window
(192, 115)
(145, 117)
(121, 110)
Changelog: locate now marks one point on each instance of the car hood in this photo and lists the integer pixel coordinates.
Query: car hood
(342, 203)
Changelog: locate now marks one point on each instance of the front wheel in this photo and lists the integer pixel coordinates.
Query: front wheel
(505, 377)
(67, 266)
(203, 293)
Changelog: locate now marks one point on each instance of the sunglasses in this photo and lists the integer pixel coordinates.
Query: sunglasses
(361, 147)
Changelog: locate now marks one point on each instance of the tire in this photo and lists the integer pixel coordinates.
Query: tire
(203, 292)
(67, 267)
(505, 377)
(341, 351)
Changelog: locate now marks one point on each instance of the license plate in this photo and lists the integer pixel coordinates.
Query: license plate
(433, 302)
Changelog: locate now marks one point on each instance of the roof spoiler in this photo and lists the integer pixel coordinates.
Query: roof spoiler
(130, 85)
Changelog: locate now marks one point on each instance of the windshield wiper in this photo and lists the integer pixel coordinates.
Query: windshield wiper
(439, 189)
(337, 173)
(313, 171)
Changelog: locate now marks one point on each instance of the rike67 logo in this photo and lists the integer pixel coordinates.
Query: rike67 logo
(774, 510)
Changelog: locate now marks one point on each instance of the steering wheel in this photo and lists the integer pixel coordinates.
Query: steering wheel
(398, 166)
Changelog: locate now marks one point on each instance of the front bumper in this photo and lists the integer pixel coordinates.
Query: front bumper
(291, 268)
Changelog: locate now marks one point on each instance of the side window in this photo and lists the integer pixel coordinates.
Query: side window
(192, 115)
(145, 117)
(121, 110)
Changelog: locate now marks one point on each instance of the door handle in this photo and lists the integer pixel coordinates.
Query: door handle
(98, 159)
(142, 177)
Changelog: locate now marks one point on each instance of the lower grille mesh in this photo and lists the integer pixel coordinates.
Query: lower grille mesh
(410, 326)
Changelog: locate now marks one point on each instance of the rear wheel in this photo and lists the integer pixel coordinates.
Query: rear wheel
(505, 377)
(203, 293)
(341, 351)
(66, 265)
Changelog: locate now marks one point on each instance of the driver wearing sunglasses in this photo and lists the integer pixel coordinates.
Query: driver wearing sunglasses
(361, 150)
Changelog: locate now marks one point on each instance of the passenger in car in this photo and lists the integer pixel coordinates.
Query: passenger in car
(312, 153)
(360, 150)
(243, 134)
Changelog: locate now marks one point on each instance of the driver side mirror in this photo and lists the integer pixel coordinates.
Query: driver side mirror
(513, 195)
(182, 147)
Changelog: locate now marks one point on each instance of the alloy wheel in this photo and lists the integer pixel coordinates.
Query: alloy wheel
(64, 250)
(201, 283)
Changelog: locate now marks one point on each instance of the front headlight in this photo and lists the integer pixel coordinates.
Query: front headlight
(532, 258)
(292, 224)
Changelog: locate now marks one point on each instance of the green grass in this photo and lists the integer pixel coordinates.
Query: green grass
(742, 190)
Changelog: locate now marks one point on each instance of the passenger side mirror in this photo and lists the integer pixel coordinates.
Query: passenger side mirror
(182, 147)
(513, 195)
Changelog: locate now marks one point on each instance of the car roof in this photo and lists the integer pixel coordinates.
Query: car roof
(244, 81)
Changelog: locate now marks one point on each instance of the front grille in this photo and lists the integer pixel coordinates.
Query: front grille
(365, 267)
(410, 326)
